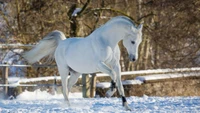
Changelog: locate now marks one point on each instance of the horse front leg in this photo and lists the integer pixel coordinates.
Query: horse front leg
(105, 69)
(117, 69)
(112, 89)
(115, 74)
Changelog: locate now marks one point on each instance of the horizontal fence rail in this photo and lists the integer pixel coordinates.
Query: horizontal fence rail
(140, 72)
(16, 45)
(152, 71)
(155, 74)
(21, 65)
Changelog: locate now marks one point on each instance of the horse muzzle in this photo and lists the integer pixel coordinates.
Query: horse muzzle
(132, 57)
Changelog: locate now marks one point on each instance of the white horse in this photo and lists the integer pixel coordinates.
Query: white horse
(98, 52)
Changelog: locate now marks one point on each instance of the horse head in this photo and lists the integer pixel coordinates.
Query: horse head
(132, 41)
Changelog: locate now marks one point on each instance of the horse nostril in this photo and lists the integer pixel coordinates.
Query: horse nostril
(133, 59)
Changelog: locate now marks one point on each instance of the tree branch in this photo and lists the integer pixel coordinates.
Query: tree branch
(145, 16)
(5, 18)
(112, 10)
(83, 8)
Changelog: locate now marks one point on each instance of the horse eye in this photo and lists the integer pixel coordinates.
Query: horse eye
(133, 42)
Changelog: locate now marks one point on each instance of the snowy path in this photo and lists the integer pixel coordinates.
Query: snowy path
(103, 105)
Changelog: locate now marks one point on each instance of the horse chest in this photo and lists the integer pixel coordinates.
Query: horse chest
(111, 53)
(109, 56)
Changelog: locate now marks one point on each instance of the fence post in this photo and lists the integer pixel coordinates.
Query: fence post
(55, 85)
(93, 85)
(5, 80)
(86, 85)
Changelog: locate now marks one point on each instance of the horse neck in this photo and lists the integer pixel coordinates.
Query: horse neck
(112, 36)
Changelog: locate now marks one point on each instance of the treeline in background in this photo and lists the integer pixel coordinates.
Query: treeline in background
(171, 34)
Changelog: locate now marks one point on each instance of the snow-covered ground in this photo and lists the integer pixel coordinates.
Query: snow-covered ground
(43, 102)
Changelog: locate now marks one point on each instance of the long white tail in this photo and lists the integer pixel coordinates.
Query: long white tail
(46, 47)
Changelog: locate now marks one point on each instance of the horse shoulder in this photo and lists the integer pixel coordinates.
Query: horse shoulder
(105, 53)
(102, 51)
(110, 55)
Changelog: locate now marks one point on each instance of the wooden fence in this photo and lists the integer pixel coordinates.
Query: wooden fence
(5, 67)
(88, 82)
(86, 89)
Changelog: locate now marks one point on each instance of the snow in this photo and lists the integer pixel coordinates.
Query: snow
(103, 84)
(44, 95)
(12, 80)
(125, 82)
(132, 82)
(26, 80)
(43, 102)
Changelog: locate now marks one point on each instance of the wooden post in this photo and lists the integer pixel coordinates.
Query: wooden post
(86, 85)
(5, 80)
(55, 85)
(93, 85)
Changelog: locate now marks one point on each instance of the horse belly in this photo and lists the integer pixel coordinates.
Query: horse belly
(82, 65)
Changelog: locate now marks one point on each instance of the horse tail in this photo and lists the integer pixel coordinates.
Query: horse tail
(45, 48)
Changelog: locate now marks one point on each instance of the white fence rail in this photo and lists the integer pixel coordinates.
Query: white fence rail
(143, 72)
(148, 75)
(155, 73)
(15, 45)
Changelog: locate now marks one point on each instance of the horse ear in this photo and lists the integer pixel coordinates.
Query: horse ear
(133, 28)
(140, 27)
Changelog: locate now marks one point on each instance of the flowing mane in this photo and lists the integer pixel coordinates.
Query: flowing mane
(117, 18)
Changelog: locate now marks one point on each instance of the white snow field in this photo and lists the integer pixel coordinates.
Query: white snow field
(43, 102)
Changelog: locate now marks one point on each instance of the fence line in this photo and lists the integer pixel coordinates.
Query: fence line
(23, 65)
(16, 45)
(86, 83)
(152, 71)
(139, 72)
(86, 89)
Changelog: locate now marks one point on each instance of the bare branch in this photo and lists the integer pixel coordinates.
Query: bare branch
(84, 8)
(146, 16)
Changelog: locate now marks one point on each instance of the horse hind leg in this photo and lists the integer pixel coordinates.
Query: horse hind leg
(73, 79)
(64, 80)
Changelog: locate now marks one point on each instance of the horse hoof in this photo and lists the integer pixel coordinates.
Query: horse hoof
(127, 107)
